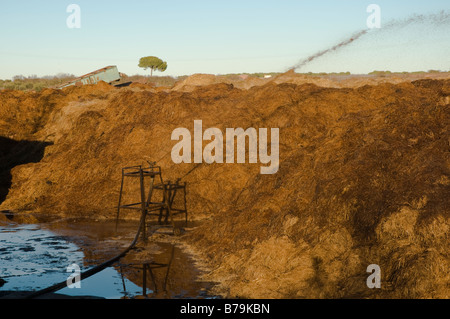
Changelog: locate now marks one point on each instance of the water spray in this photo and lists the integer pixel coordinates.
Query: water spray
(438, 19)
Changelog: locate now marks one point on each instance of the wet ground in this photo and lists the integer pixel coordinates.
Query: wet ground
(33, 257)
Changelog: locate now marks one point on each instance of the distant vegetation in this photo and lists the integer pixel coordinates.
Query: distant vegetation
(154, 80)
(380, 73)
(324, 73)
(261, 75)
(32, 82)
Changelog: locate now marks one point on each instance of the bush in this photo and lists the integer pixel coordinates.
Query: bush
(34, 83)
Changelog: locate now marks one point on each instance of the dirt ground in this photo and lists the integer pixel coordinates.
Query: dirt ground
(364, 175)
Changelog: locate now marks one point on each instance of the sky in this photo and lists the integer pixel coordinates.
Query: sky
(218, 36)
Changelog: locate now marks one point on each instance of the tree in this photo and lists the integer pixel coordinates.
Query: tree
(153, 63)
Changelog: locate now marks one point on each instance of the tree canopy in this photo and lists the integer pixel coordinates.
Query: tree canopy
(153, 63)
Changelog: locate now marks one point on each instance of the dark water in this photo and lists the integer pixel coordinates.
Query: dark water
(33, 257)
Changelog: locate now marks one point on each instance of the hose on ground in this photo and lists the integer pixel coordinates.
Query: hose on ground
(93, 270)
(107, 263)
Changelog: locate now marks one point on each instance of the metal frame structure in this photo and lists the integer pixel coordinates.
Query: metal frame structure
(147, 205)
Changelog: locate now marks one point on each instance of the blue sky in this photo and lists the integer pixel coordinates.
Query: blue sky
(218, 37)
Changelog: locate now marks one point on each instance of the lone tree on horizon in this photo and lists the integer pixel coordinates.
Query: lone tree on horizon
(153, 63)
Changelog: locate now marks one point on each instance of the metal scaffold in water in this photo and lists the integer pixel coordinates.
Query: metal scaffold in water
(158, 200)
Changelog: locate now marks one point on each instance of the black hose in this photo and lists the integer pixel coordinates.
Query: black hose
(93, 270)
(102, 266)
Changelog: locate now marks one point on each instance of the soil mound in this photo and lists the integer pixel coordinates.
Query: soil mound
(364, 178)
(143, 86)
(193, 81)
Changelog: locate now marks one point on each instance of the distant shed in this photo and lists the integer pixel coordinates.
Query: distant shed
(108, 74)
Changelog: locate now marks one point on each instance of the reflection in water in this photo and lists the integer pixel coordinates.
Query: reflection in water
(107, 283)
(33, 257)
(147, 267)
